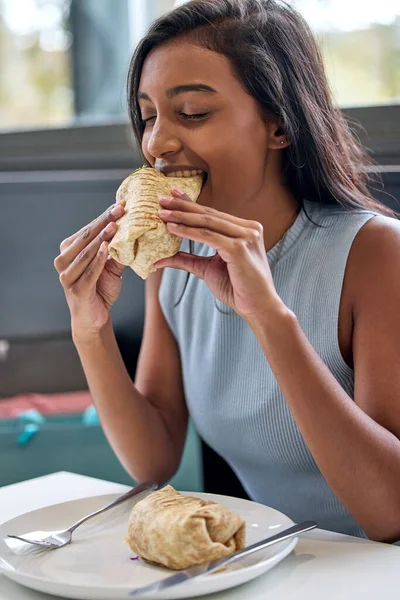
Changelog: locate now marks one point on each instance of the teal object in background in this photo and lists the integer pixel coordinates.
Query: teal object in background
(28, 432)
(32, 419)
(77, 443)
(31, 416)
(90, 417)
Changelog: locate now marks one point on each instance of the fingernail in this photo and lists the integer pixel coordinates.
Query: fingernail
(178, 191)
(109, 228)
(164, 213)
(103, 247)
(163, 198)
(117, 211)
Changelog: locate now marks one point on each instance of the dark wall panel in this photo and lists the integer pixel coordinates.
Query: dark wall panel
(35, 218)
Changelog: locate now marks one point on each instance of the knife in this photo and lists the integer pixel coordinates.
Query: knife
(214, 565)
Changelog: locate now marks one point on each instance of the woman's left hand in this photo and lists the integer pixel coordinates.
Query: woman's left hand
(238, 274)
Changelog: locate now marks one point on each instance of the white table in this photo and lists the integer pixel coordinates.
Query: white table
(323, 564)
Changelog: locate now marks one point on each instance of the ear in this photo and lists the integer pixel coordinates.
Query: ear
(277, 138)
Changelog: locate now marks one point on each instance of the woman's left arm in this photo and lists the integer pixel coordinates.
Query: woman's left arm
(356, 445)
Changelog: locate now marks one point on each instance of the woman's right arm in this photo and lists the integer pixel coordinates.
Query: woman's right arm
(145, 422)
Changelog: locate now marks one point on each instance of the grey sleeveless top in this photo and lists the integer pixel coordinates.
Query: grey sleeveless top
(231, 392)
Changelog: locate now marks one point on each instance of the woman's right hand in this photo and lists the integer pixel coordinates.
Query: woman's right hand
(90, 278)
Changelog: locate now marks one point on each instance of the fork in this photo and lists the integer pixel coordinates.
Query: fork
(58, 539)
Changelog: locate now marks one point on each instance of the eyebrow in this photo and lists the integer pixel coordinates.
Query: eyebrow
(182, 89)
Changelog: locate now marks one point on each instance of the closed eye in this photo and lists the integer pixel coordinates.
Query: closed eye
(192, 117)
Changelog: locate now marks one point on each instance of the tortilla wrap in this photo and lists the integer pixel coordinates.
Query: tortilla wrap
(142, 237)
(176, 531)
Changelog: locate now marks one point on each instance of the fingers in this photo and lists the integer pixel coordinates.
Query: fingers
(223, 232)
(77, 254)
(91, 274)
(228, 248)
(69, 271)
(114, 267)
(81, 238)
(197, 265)
(182, 202)
(209, 221)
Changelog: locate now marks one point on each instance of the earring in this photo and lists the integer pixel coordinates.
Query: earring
(282, 142)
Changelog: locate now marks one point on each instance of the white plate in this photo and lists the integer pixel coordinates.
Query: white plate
(97, 565)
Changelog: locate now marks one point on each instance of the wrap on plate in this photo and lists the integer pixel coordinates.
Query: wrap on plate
(175, 531)
(142, 237)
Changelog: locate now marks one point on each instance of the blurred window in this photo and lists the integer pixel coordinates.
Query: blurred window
(36, 88)
(360, 42)
(64, 62)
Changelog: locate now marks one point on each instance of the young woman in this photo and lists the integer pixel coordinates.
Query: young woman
(278, 329)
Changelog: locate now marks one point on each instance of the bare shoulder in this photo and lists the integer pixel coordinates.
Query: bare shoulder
(374, 260)
(379, 238)
(373, 277)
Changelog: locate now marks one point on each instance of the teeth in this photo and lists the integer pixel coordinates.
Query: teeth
(185, 173)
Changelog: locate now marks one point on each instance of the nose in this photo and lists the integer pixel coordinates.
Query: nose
(163, 140)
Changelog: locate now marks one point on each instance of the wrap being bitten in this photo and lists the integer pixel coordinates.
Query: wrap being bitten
(142, 237)
(178, 532)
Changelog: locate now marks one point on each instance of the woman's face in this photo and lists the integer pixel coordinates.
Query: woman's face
(198, 116)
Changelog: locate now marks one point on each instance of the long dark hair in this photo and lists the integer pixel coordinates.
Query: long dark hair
(277, 60)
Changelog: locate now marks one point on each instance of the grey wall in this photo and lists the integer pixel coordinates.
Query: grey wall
(389, 192)
(36, 217)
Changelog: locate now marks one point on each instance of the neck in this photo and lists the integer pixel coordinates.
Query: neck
(274, 207)
(276, 213)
